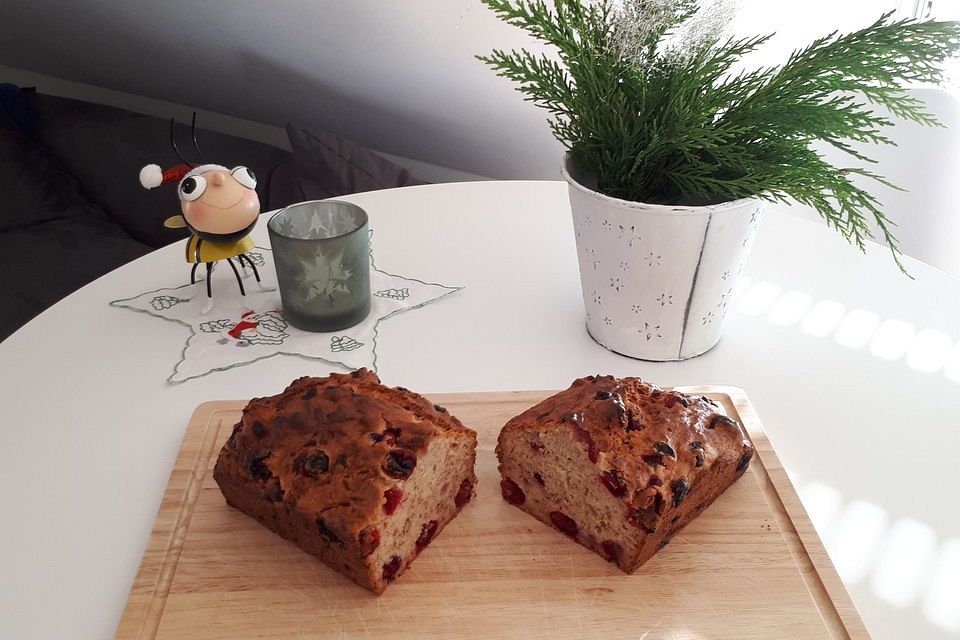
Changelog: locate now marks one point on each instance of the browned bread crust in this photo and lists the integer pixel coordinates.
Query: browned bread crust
(359, 474)
(620, 465)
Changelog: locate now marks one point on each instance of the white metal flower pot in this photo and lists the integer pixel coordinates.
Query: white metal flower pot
(658, 280)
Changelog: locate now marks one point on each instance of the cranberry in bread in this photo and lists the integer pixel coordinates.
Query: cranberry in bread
(620, 465)
(361, 475)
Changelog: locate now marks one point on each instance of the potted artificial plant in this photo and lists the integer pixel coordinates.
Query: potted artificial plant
(673, 152)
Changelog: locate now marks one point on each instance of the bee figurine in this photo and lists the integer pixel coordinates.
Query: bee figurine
(219, 206)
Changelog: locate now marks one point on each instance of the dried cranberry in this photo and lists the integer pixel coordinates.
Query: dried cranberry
(391, 568)
(539, 447)
(511, 492)
(564, 523)
(309, 393)
(745, 461)
(665, 449)
(328, 534)
(311, 464)
(699, 461)
(390, 435)
(614, 481)
(440, 409)
(391, 500)
(426, 534)
(603, 395)
(592, 453)
(680, 489)
(399, 464)
(722, 420)
(696, 444)
(274, 491)
(464, 493)
(258, 467)
(644, 519)
(673, 399)
(654, 481)
(653, 459)
(612, 550)
(633, 423)
(369, 541)
(581, 435)
(258, 429)
(539, 479)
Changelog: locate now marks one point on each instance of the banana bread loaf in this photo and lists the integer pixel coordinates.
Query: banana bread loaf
(361, 475)
(619, 465)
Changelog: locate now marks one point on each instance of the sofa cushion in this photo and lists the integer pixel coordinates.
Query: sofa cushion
(44, 262)
(105, 148)
(35, 187)
(329, 166)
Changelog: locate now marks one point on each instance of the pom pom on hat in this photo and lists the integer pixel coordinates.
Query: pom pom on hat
(151, 176)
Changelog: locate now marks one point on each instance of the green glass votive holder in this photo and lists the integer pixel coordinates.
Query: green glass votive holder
(322, 253)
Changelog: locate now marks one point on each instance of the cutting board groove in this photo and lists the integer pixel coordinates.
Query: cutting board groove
(751, 566)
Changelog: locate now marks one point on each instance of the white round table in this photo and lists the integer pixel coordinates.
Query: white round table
(854, 369)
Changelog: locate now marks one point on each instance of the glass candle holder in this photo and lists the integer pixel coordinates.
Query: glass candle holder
(322, 253)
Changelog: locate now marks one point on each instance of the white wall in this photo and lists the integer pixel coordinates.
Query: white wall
(400, 77)
(396, 75)
(261, 132)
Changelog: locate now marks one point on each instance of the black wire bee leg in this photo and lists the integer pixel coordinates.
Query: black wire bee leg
(239, 279)
(256, 274)
(193, 273)
(242, 265)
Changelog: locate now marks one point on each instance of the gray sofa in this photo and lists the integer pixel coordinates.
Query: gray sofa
(72, 209)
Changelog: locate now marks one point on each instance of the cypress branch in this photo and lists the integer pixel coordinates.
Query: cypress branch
(659, 123)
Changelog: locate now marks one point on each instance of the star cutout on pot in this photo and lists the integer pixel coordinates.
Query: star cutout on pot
(632, 231)
(651, 331)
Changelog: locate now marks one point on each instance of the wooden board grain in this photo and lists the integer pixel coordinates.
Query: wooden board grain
(751, 566)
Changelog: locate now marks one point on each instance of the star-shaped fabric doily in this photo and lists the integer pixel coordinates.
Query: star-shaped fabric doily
(239, 330)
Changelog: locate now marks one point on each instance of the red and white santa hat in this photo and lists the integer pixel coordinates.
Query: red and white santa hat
(152, 175)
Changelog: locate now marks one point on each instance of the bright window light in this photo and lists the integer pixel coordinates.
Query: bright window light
(857, 328)
(892, 339)
(951, 367)
(742, 285)
(929, 350)
(941, 604)
(904, 563)
(857, 539)
(757, 299)
(789, 308)
(823, 318)
(822, 504)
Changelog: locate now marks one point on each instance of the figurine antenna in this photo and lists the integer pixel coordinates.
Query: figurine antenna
(173, 143)
(193, 136)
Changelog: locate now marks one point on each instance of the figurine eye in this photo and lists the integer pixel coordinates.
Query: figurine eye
(245, 177)
(192, 188)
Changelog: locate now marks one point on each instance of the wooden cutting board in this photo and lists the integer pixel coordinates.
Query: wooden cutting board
(750, 567)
